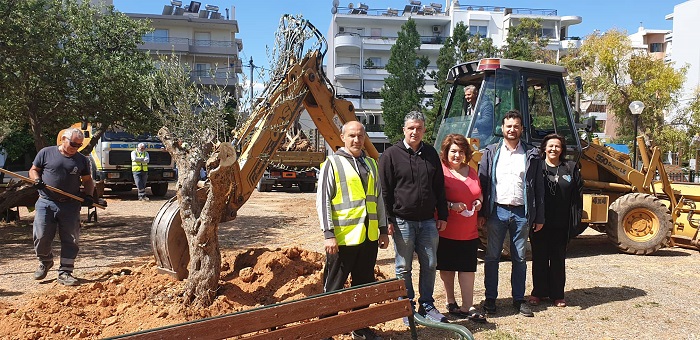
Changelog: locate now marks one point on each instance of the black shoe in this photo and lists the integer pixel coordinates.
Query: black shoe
(365, 334)
(454, 310)
(67, 279)
(43, 269)
(490, 306)
(523, 308)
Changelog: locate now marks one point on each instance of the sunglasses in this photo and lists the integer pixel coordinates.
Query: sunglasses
(75, 145)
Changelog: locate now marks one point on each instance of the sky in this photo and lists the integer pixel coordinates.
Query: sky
(257, 22)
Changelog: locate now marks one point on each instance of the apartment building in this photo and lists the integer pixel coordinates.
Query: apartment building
(360, 40)
(652, 42)
(201, 36)
(685, 48)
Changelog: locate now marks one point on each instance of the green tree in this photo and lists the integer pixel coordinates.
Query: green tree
(190, 115)
(610, 67)
(403, 89)
(526, 42)
(690, 114)
(62, 61)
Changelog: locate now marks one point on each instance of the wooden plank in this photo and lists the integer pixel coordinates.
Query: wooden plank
(269, 317)
(343, 323)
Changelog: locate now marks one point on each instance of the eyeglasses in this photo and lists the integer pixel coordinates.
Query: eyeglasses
(75, 145)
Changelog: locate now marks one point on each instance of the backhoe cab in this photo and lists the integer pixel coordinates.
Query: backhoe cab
(536, 90)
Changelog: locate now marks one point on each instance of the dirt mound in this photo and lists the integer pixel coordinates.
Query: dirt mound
(130, 299)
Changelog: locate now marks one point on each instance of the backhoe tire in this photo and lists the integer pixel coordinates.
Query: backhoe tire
(639, 224)
(159, 189)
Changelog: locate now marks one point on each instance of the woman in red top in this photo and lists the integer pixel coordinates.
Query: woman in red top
(459, 241)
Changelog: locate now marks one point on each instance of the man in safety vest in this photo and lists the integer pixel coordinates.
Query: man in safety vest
(351, 212)
(139, 167)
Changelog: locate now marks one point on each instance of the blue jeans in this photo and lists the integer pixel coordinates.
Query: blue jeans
(140, 179)
(512, 220)
(421, 237)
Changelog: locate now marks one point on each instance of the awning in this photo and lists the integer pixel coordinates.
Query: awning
(619, 147)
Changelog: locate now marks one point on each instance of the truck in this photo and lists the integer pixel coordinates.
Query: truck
(640, 210)
(295, 164)
(111, 160)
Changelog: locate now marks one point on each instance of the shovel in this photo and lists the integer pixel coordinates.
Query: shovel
(56, 190)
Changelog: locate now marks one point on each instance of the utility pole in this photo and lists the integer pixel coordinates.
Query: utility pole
(252, 66)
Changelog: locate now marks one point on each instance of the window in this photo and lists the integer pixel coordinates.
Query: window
(202, 70)
(373, 62)
(376, 32)
(656, 47)
(547, 109)
(478, 30)
(202, 38)
(548, 33)
(159, 35)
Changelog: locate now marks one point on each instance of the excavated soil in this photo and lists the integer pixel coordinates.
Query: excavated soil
(272, 253)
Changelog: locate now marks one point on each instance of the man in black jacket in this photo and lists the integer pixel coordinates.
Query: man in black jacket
(413, 189)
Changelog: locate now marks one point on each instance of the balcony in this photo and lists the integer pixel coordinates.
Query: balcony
(371, 104)
(374, 127)
(165, 44)
(221, 77)
(347, 71)
(348, 42)
(215, 47)
(375, 71)
(185, 45)
(569, 43)
(379, 43)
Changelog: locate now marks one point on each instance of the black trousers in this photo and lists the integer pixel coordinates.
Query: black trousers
(549, 262)
(354, 261)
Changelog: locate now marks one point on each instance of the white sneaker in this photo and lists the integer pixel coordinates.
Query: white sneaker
(431, 313)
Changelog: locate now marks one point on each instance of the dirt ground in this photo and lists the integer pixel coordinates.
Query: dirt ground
(271, 253)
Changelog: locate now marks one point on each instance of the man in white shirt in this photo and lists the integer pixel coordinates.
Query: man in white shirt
(511, 179)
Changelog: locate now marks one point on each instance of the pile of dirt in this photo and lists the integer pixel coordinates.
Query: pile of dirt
(130, 299)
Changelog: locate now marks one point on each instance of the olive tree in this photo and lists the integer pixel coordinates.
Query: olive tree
(190, 115)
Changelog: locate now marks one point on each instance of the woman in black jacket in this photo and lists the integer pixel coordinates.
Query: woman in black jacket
(563, 205)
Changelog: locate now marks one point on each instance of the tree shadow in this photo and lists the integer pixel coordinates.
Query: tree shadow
(108, 238)
(239, 233)
(594, 245)
(590, 245)
(585, 298)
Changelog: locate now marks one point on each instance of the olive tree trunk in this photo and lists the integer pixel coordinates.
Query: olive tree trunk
(201, 212)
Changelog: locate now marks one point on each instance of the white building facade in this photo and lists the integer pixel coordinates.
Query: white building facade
(360, 39)
(684, 43)
(203, 38)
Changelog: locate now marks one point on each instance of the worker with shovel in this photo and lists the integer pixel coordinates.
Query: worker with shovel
(60, 167)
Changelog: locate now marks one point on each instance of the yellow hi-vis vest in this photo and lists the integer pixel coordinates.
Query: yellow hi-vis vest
(351, 205)
(139, 166)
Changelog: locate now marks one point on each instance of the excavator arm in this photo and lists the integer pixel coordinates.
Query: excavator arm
(301, 86)
(305, 87)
